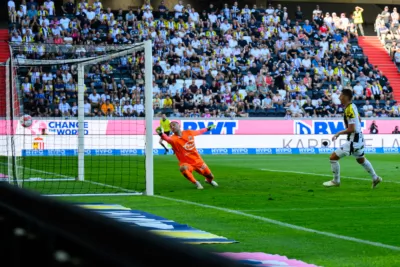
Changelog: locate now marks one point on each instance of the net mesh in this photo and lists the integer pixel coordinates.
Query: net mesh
(114, 124)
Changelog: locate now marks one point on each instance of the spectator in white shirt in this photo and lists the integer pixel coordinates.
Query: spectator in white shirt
(87, 108)
(176, 69)
(225, 26)
(295, 110)
(74, 109)
(138, 110)
(335, 97)
(16, 38)
(11, 4)
(64, 107)
(358, 91)
(178, 9)
(249, 77)
(306, 62)
(50, 7)
(368, 109)
(94, 98)
(194, 16)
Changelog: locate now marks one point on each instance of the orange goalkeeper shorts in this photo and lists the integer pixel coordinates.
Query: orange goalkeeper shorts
(200, 168)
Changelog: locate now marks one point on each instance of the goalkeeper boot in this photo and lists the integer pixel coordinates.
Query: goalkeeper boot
(213, 183)
(198, 185)
(331, 184)
(376, 182)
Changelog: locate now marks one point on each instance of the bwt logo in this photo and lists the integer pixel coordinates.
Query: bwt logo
(390, 150)
(263, 151)
(221, 151)
(321, 127)
(201, 151)
(283, 151)
(221, 127)
(240, 151)
(307, 150)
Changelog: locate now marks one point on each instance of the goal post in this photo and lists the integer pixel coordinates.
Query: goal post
(149, 118)
(89, 176)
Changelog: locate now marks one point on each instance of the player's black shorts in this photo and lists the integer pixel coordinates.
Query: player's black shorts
(168, 133)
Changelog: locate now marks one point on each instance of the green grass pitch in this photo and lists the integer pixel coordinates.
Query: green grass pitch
(283, 188)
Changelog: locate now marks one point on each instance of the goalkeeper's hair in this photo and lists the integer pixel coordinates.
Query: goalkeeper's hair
(348, 93)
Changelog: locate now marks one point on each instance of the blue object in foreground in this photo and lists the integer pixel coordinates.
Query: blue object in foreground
(156, 224)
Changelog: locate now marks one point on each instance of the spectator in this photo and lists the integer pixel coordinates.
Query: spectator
(373, 128)
(368, 109)
(396, 130)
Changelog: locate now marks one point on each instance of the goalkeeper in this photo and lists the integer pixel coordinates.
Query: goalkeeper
(182, 143)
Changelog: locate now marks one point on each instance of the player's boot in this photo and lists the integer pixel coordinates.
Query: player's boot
(166, 151)
(331, 183)
(213, 183)
(198, 185)
(376, 182)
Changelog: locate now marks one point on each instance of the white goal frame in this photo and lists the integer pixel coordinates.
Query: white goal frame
(81, 65)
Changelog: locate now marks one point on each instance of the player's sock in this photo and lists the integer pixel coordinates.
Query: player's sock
(209, 180)
(188, 175)
(368, 167)
(335, 166)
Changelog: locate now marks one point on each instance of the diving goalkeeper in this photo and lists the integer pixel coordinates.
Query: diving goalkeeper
(182, 143)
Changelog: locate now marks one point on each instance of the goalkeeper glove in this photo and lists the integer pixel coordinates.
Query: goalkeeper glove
(159, 131)
(209, 128)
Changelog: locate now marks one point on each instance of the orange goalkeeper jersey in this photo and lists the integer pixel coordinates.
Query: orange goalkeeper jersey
(184, 146)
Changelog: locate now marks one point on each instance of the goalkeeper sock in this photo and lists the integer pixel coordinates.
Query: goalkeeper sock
(188, 175)
(335, 166)
(368, 167)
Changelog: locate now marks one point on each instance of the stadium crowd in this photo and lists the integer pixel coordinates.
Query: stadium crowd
(388, 30)
(219, 62)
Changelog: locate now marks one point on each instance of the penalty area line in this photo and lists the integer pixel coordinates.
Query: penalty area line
(327, 175)
(283, 224)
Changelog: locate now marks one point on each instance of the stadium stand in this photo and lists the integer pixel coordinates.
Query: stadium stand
(235, 61)
(4, 55)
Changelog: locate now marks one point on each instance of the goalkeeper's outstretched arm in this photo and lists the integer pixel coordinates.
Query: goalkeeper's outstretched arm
(201, 131)
(163, 135)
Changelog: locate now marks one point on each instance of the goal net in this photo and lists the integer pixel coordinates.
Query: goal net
(91, 109)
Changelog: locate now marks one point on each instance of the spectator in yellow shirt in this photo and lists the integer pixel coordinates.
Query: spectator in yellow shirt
(107, 108)
(167, 102)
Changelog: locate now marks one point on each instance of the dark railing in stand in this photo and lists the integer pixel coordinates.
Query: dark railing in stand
(37, 230)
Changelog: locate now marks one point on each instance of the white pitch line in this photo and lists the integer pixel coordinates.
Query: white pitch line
(73, 179)
(329, 208)
(327, 175)
(110, 186)
(47, 180)
(283, 224)
(44, 172)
